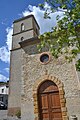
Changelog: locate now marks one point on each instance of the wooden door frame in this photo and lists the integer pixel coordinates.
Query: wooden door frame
(61, 94)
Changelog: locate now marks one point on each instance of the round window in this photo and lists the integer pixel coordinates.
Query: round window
(44, 58)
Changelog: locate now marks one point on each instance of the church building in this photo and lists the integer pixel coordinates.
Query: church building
(40, 86)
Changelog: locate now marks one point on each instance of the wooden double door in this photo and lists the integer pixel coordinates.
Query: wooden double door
(49, 102)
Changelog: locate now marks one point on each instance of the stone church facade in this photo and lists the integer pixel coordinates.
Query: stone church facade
(42, 87)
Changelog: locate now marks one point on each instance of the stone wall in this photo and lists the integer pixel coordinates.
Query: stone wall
(14, 101)
(33, 70)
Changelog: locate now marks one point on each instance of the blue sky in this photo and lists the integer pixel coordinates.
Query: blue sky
(11, 10)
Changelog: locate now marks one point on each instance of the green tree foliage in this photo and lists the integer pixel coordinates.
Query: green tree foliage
(65, 37)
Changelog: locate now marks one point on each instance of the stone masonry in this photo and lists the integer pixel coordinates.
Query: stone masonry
(57, 70)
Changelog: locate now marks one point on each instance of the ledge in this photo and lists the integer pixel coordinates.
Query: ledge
(27, 42)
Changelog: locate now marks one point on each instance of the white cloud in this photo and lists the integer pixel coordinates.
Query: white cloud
(7, 70)
(4, 54)
(45, 24)
(5, 50)
(4, 22)
(9, 31)
(3, 78)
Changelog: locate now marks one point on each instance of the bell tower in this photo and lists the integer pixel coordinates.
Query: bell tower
(23, 29)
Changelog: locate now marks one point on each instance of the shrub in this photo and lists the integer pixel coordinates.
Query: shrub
(18, 113)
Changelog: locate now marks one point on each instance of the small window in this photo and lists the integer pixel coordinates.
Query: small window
(1, 99)
(7, 86)
(44, 58)
(22, 38)
(22, 27)
(2, 90)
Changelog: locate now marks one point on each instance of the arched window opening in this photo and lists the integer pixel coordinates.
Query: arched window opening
(22, 27)
(22, 38)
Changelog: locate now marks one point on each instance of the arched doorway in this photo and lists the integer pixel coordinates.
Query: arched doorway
(49, 101)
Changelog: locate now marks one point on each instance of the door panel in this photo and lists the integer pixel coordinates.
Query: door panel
(44, 107)
(49, 102)
(55, 108)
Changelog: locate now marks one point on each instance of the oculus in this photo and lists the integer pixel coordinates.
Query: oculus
(44, 58)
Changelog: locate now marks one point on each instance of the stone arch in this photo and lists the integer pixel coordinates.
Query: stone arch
(61, 93)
